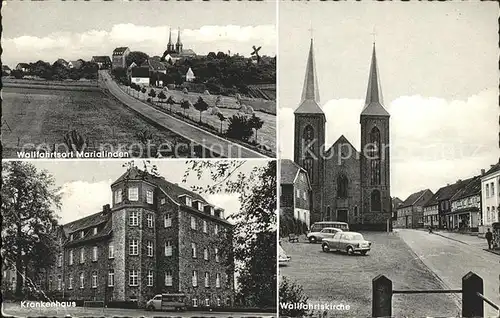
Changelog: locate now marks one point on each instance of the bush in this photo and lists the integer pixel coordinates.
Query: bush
(17, 74)
(239, 128)
(291, 225)
(123, 304)
(148, 100)
(291, 293)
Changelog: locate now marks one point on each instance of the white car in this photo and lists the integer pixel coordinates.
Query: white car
(327, 232)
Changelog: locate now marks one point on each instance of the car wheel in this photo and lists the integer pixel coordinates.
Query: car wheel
(350, 251)
(363, 252)
(312, 239)
(150, 308)
(325, 248)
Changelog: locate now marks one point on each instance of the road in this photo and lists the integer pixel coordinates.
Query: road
(451, 260)
(14, 309)
(213, 143)
(341, 279)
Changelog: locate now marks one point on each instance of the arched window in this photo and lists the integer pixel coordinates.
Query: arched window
(376, 203)
(374, 154)
(307, 140)
(342, 184)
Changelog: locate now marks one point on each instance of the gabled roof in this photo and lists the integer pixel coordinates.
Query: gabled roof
(101, 59)
(5, 68)
(494, 168)
(374, 100)
(444, 193)
(413, 198)
(86, 222)
(396, 202)
(120, 50)
(189, 72)
(105, 231)
(23, 65)
(309, 103)
(289, 171)
(156, 65)
(467, 188)
(343, 141)
(140, 72)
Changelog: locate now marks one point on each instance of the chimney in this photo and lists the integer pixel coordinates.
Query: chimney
(106, 209)
(483, 171)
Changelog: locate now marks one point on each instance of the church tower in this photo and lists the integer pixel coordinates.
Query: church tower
(309, 139)
(178, 45)
(375, 156)
(170, 45)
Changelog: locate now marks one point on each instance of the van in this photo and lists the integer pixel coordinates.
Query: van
(167, 302)
(318, 226)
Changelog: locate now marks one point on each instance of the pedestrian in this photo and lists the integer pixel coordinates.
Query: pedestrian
(489, 238)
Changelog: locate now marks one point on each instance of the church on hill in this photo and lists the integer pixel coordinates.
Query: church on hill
(347, 185)
(176, 52)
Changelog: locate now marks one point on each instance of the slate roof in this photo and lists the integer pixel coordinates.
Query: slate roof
(412, 199)
(469, 187)
(120, 50)
(140, 72)
(156, 65)
(86, 222)
(444, 193)
(101, 59)
(374, 99)
(89, 234)
(289, 170)
(310, 92)
(494, 168)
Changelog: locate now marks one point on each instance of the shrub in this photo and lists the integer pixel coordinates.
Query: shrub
(291, 293)
(239, 128)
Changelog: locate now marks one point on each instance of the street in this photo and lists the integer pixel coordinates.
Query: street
(14, 309)
(339, 278)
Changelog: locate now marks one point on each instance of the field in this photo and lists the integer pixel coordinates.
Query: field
(36, 116)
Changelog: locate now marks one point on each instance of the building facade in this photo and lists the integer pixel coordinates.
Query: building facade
(465, 211)
(410, 214)
(295, 195)
(119, 57)
(154, 238)
(104, 62)
(490, 197)
(175, 52)
(347, 185)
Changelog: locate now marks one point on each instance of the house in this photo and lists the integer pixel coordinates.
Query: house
(23, 67)
(431, 212)
(410, 212)
(5, 70)
(140, 75)
(465, 211)
(155, 237)
(190, 75)
(76, 64)
(120, 57)
(155, 68)
(61, 62)
(490, 196)
(295, 194)
(396, 202)
(176, 52)
(104, 62)
(439, 205)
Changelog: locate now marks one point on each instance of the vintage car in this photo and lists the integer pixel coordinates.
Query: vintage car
(314, 237)
(349, 242)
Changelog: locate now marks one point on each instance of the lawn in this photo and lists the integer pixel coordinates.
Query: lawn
(36, 116)
(342, 279)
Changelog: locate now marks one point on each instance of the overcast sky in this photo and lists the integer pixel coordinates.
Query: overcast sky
(438, 64)
(50, 30)
(86, 184)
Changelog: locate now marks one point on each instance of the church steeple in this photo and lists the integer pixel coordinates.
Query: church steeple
(178, 45)
(310, 92)
(170, 45)
(374, 100)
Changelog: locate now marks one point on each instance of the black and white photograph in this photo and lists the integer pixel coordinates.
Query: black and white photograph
(389, 159)
(86, 238)
(138, 79)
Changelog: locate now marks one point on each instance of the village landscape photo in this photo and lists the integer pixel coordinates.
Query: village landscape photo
(389, 159)
(138, 79)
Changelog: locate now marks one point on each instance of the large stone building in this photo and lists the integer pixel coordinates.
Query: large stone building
(156, 237)
(176, 52)
(295, 194)
(410, 213)
(120, 57)
(347, 185)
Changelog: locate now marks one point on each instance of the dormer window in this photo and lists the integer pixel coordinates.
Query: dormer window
(186, 199)
(149, 196)
(82, 234)
(71, 237)
(133, 194)
(209, 209)
(197, 204)
(95, 230)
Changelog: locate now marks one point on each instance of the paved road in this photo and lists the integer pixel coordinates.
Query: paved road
(14, 309)
(341, 279)
(451, 260)
(199, 136)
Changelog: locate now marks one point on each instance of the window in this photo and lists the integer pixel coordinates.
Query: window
(71, 237)
(297, 193)
(94, 254)
(162, 201)
(216, 254)
(207, 279)
(216, 229)
(133, 276)
(217, 280)
(492, 189)
(133, 248)
(304, 195)
(59, 282)
(149, 246)
(150, 278)
(374, 156)
(487, 190)
(133, 219)
(82, 255)
(207, 302)
(193, 250)
(168, 248)
(195, 279)
(195, 302)
(342, 184)
(205, 254)
(189, 201)
(111, 252)
(193, 223)
(59, 260)
(205, 226)
(218, 301)
(133, 194)
(71, 257)
(167, 222)
(95, 231)
(376, 203)
(149, 196)
(111, 278)
(168, 279)
(82, 278)
(150, 220)
(82, 234)
(118, 196)
(70, 282)
(94, 279)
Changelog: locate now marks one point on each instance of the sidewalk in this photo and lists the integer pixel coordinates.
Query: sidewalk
(467, 239)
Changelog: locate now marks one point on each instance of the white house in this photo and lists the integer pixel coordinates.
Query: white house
(490, 196)
(140, 76)
(190, 75)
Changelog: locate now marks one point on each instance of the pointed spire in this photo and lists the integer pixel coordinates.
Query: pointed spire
(374, 99)
(179, 36)
(170, 36)
(310, 92)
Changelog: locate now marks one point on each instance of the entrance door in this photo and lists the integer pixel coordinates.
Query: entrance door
(342, 216)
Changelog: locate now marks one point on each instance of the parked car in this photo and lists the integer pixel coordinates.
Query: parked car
(283, 258)
(167, 302)
(349, 242)
(318, 226)
(314, 237)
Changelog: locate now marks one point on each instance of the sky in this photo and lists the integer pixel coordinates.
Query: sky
(71, 30)
(438, 66)
(86, 184)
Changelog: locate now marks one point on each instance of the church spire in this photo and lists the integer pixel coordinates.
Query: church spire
(310, 91)
(179, 36)
(374, 100)
(169, 37)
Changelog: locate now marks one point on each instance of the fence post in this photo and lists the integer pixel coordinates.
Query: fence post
(382, 297)
(472, 304)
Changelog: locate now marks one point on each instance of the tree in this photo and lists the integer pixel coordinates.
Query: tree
(200, 106)
(211, 55)
(254, 231)
(170, 102)
(256, 123)
(162, 96)
(221, 118)
(185, 104)
(239, 128)
(136, 57)
(292, 293)
(152, 94)
(143, 91)
(28, 201)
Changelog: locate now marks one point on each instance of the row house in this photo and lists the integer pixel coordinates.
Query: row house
(490, 196)
(156, 237)
(465, 211)
(439, 205)
(102, 61)
(295, 194)
(409, 214)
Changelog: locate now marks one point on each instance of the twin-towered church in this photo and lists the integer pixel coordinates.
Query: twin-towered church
(347, 185)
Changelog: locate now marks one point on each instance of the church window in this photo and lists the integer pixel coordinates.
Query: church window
(374, 152)
(308, 138)
(376, 203)
(342, 183)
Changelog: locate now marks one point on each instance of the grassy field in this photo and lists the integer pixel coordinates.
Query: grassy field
(36, 116)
